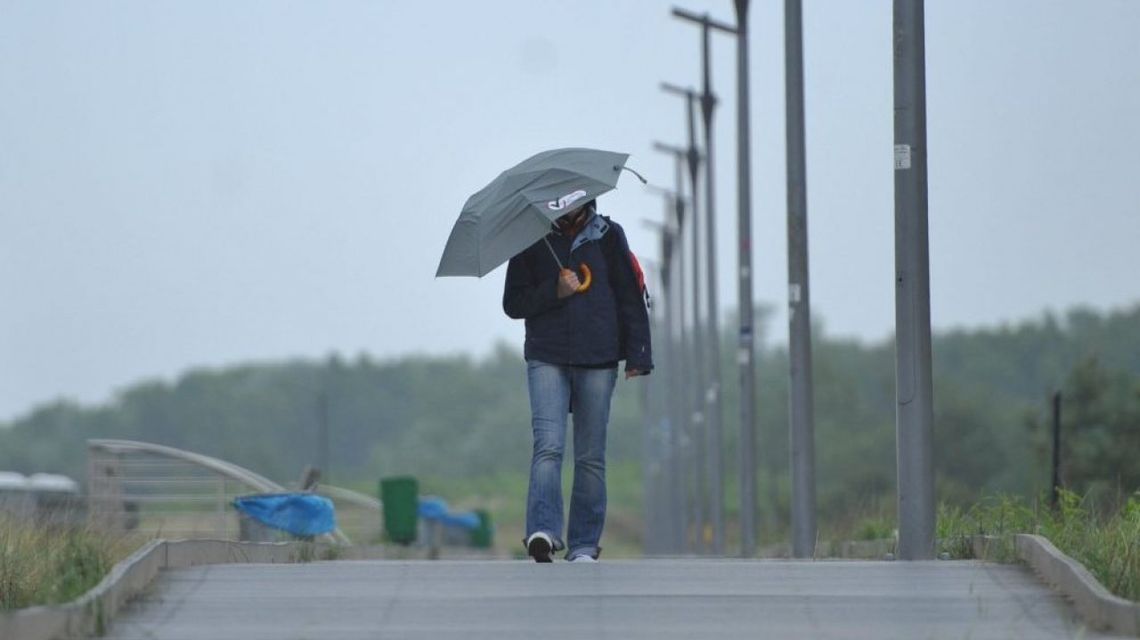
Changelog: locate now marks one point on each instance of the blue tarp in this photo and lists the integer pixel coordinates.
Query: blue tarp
(301, 514)
(436, 509)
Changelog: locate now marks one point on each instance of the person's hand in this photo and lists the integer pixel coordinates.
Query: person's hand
(633, 373)
(567, 283)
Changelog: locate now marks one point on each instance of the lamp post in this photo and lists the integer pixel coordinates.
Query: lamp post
(693, 157)
(685, 428)
(746, 348)
(801, 422)
(712, 393)
(654, 451)
(914, 393)
(670, 485)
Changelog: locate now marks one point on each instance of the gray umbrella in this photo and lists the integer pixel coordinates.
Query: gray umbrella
(516, 209)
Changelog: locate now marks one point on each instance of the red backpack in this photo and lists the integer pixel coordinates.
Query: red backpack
(637, 271)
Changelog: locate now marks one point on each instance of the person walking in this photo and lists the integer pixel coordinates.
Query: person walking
(579, 325)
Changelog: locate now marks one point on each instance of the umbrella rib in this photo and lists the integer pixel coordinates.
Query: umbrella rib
(547, 242)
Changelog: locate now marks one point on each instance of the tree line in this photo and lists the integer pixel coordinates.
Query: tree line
(463, 417)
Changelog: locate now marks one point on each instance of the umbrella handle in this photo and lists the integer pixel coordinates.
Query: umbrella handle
(583, 269)
(585, 277)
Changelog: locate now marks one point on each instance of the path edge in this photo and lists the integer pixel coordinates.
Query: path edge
(91, 614)
(1096, 604)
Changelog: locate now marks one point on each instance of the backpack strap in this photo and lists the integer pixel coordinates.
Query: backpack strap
(610, 250)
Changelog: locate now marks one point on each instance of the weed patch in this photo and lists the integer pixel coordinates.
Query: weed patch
(1108, 545)
(50, 565)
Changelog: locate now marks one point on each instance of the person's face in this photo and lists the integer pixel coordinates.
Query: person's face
(572, 219)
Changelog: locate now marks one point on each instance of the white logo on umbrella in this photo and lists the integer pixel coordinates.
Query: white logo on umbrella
(566, 200)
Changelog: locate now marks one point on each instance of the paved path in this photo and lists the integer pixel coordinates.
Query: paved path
(614, 599)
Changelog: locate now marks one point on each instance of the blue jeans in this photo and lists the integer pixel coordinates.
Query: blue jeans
(555, 390)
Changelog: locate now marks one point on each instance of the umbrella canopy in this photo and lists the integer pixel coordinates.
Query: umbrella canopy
(516, 209)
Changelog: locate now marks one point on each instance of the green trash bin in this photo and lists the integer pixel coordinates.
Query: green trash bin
(400, 496)
(483, 535)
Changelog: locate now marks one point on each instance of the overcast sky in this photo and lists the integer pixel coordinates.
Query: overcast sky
(205, 183)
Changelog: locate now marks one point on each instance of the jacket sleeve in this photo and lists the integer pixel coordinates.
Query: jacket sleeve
(633, 317)
(524, 296)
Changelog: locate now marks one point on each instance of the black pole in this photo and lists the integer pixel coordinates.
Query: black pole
(323, 435)
(1054, 486)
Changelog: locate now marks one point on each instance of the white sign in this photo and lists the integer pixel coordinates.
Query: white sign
(902, 156)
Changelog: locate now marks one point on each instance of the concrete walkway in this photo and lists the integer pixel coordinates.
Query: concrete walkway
(613, 599)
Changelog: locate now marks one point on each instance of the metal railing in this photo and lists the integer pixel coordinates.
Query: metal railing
(167, 492)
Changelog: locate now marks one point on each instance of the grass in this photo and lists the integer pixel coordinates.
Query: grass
(1107, 544)
(49, 565)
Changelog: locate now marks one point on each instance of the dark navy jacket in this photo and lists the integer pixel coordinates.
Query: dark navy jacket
(607, 323)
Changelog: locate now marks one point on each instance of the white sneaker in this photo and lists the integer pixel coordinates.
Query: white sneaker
(538, 546)
(583, 557)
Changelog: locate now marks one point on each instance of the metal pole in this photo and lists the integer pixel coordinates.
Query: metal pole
(800, 412)
(650, 465)
(647, 497)
(712, 391)
(746, 349)
(700, 425)
(680, 355)
(712, 394)
(684, 426)
(914, 389)
(674, 469)
(699, 346)
(668, 484)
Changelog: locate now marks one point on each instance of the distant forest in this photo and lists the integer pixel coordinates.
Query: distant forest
(457, 417)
